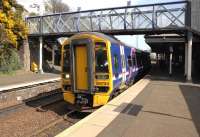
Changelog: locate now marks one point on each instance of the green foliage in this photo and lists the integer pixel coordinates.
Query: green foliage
(9, 60)
(12, 31)
(33, 14)
(12, 26)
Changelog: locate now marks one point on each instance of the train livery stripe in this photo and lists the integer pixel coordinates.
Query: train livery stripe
(123, 63)
(135, 69)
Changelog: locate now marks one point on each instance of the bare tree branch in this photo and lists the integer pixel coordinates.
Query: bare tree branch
(55, 6)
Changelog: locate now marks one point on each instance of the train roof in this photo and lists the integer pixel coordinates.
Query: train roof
(112, 39)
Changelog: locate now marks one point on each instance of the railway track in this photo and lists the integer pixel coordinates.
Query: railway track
(60, 124)
(44, 100)
(44, 116)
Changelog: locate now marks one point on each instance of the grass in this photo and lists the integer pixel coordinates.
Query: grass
(11, 73)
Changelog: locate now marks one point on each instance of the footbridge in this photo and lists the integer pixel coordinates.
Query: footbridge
(141, 19)
(150, 20)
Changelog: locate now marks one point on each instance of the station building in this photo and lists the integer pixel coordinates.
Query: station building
(180, 53)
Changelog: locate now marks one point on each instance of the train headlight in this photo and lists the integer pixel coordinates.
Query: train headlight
(67, 76)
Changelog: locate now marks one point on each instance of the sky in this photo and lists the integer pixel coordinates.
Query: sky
(136, 41)
(90, 4)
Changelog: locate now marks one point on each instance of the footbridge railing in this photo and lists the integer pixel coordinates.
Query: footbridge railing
(135, 19)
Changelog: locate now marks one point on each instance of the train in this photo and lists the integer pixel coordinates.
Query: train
(96, 66)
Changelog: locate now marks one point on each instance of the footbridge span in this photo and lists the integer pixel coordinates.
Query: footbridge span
(151, 19)
(141, 19)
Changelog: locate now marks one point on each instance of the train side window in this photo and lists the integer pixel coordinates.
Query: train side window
(123, 61)
(116, 62)
(130, 63)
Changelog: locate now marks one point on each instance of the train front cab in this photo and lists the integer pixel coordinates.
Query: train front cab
(87, 71)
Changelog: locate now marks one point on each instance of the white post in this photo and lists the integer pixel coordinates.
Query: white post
(170, 64)
(170, 60)
(186, 58)
(40, 55)
(189, 68)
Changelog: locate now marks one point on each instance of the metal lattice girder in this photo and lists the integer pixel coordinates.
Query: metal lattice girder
(152, 16)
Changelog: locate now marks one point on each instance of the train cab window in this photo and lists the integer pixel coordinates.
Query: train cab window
(130, 63)
(66, 59)
(101, 64)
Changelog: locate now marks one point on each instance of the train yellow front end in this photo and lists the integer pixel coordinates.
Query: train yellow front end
(86, 70)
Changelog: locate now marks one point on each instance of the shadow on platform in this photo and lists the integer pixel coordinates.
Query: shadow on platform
(160, 109)
(191, 95)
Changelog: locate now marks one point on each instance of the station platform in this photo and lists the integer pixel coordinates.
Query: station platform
(150, 108)
(26, 86)
(26, 79)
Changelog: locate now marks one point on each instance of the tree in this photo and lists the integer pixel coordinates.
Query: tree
(12, 26)
(55, 6)
(33, 14)
(12, 31)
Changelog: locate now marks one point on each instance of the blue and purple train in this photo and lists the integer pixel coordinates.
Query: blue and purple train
(95, 66)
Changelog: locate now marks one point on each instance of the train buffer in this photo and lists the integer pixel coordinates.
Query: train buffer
(144, 110)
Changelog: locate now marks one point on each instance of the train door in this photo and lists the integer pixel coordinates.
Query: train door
(81, 67)
(123, 64)
(82, 55)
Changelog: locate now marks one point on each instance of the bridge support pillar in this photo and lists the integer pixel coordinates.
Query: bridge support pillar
(186, 59)
(40, 55)
(189, 57)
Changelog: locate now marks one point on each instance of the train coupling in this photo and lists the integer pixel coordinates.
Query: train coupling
(81, 99)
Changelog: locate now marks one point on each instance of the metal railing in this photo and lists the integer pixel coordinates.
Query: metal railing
(171, 15)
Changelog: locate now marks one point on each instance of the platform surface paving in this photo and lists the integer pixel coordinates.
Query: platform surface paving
(25, 78)
(161, 109)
